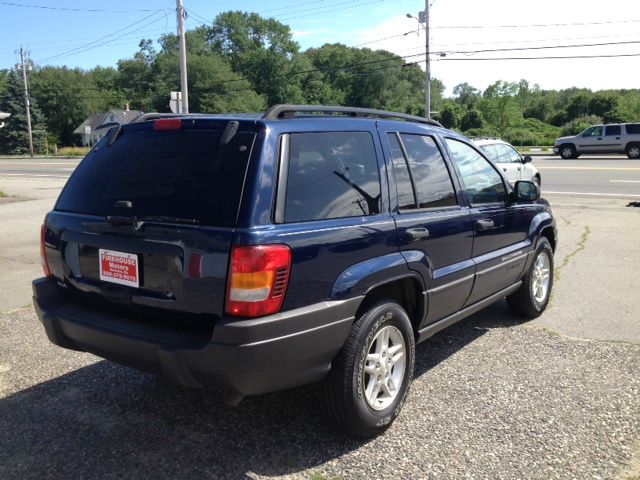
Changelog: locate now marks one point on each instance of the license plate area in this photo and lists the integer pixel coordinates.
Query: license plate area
(119, 267)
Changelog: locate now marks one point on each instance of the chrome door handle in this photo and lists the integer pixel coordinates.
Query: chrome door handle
(412, 234)
(485, 224)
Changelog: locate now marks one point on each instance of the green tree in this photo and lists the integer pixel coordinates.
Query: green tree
(451, 115)
(499, 107)
(61, 95)
(263, 51)
(472, 118)
(14, 137)
(136, 78)
(466, 95)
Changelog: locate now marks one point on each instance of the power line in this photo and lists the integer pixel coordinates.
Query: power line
(517, 49)
(95, 44)
(331, 10)
(563, 57)
(65, 9)
(539, 25)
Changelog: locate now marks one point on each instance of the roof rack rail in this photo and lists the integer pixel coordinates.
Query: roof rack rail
(283, 111)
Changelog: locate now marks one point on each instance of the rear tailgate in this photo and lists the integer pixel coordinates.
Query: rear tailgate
(149, 219)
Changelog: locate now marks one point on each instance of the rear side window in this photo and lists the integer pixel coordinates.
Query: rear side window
(331, 175)
(180, 174)
(612, 130)
(632, 128)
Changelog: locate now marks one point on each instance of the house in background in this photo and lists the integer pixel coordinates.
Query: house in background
(3, 116)
(97, 125)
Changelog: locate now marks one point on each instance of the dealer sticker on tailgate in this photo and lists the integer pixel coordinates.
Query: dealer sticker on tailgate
(119, 267)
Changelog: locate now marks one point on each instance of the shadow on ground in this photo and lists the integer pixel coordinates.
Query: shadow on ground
(107, 421)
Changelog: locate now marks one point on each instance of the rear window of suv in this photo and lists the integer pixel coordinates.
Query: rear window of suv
(181, 174)
(332, 175)
(632, 128)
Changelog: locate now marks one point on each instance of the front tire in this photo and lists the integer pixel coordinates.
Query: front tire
(568, 151)
(532, 298)
(370, 377)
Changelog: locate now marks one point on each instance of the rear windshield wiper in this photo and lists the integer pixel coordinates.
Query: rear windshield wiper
(138, 222)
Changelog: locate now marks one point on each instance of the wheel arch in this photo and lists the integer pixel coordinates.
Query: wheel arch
(407, 291)
(543, 225)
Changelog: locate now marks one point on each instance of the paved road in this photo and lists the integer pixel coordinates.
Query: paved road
(37, 168)
(612, 176)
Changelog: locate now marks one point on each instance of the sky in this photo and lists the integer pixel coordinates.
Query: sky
(478, 42)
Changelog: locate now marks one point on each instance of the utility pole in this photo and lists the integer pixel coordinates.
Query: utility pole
(26, 100)
(427, 81)
(183, 57)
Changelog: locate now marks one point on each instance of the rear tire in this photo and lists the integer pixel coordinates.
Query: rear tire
(568, 151)
(370, 377)
(532, 298)
(633, 151)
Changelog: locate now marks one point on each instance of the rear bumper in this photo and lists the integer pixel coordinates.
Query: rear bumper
(244, 356)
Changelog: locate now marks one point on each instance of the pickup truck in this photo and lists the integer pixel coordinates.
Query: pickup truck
(611, 138)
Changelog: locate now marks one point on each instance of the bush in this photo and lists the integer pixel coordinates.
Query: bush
(529, 132)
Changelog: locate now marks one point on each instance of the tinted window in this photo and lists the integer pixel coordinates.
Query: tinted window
(332, 175)
(482, 182)
(432, 180)
(612, 130)
(182, 174)
(593, 132)
(406, 199)
(632, 128)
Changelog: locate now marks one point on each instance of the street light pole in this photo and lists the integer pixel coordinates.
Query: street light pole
(183, 57)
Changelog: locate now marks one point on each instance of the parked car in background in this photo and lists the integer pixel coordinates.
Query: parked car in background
(611, 138)
(311, 243)
(514, 166)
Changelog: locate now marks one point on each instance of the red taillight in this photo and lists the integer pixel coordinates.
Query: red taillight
(165, 124)
(43, 253)
(258, 280)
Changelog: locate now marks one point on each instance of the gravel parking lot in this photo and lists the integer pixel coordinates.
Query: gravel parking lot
(492, 398)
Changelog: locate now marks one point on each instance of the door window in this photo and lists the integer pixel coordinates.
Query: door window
(431, 178)
(406, 197)
(593, 132)
(482, 181)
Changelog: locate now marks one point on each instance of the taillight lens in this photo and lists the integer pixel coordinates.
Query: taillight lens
(43, 253)
(165, 124)
(258, 280)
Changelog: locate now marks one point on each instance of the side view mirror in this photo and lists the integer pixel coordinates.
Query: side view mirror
(527, 159)
(526, 191)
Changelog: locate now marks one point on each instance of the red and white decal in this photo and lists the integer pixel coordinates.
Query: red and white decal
(119, 267)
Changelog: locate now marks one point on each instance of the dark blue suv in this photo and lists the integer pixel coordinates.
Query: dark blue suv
(258, 253)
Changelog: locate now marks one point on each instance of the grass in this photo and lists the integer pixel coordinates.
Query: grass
(2, 194)
(72, 151)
